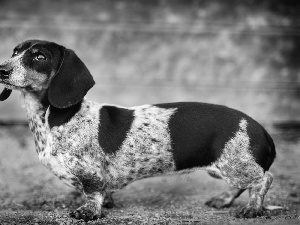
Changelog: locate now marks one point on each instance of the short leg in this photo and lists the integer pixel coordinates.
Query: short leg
(90, 210)
(108, 200)
(225, 199)
(258, 191)
(94, 190)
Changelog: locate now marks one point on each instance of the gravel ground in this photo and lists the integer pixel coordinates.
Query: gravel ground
(30, 194)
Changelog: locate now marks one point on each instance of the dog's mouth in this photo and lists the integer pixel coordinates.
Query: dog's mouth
(8, 89)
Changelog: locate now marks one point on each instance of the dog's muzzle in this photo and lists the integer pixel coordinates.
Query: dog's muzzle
(4, 73)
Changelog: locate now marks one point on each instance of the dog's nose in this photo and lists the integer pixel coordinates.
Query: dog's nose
(4, 73)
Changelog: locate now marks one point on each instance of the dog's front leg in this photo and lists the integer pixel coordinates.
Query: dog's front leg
(94, 190)
(91, 209)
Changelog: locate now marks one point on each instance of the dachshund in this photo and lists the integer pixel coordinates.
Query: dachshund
(98, 148)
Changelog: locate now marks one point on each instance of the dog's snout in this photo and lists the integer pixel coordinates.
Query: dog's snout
(4, 73)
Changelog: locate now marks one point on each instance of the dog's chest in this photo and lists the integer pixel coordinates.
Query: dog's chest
(71, 148)
(45, 143)
(37, 126)
(36, 118)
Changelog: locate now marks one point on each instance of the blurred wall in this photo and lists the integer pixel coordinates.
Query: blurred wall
(243, 54)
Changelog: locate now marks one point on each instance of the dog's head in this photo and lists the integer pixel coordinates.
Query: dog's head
(48, 70)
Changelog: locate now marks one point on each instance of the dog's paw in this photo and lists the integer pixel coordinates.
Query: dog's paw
(87, 212)
(249, 212)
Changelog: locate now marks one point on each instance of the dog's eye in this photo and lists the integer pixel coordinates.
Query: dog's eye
(40, 57)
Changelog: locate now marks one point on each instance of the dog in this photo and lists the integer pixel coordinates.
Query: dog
(98, 148)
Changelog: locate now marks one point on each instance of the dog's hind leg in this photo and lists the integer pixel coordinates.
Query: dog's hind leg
(247, 175)
(224, 199)
(237, 165)
(258, 191)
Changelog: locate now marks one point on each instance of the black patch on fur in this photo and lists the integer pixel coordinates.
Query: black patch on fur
(52, 51)
(24, 45)
(262, 145)
(44, 98)
(199, 132)
(71, 82)
(113, 127)
(44, 66)
(59, 117)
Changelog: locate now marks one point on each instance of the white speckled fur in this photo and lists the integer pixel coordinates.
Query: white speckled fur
(140, 156)
(70, 147)
(236, 164)
(18, 77)
(36, 118)
(73, 149)
(22, 77)
(72, 152)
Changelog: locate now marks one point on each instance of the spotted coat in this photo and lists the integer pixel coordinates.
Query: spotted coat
(96, 147)
(72, 151)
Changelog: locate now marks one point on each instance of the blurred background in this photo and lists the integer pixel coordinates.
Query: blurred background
(243, 54)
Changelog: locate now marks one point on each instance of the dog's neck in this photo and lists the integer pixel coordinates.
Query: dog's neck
(36, 113)
(33, 106)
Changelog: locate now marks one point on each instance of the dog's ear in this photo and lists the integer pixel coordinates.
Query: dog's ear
(71, 82)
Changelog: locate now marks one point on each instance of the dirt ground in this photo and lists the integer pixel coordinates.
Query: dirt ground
(30, 194)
